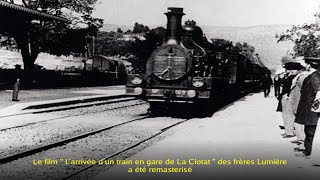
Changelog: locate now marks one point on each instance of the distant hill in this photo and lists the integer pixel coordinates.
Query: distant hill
(113, 27)
(261, 37)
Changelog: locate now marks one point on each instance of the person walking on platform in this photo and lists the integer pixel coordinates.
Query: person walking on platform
(287, 113)
(308, 110)
(15, 91)
(283, 77)
(277, 84)
(266, 83)
(16, 85)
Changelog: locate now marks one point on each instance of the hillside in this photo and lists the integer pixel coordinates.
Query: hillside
(113, 27)
(261, 37)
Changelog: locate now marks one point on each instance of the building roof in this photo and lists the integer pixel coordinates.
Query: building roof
(34, 13)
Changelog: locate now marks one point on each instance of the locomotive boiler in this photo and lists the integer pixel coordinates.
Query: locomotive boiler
(189, 69)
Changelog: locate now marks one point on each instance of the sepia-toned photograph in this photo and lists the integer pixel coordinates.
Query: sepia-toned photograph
(159, 89)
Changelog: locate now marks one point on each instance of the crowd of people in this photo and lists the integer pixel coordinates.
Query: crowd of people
(298, 93)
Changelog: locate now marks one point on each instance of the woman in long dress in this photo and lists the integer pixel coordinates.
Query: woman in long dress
(315, 156)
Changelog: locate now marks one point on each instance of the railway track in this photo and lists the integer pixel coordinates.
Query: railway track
(64, 107)
(67, 145)
(78, 174)
(121, 150)
(78, 114)
(99, 103)
(63, 142)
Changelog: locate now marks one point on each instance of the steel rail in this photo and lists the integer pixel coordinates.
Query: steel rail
(12, 157)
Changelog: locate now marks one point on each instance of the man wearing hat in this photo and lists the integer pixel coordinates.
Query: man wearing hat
(277, 84)
(308, 110)
(294, 98)
(284, 77)
(287, 113)
(266, 83)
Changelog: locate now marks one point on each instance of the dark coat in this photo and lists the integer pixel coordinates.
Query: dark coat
(309, 89)
(277, 81)
(267, 81)
(287, 82)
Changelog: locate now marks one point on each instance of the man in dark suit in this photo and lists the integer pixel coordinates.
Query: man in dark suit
(306, 109)
(277, 85)
(266, 83)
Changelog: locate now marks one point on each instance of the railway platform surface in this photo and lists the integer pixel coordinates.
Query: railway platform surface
(246, 130)
(40, 97)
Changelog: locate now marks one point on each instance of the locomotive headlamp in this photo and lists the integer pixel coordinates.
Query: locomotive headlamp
(191, 93)
(137, 91)
(198, 82)
(136, 80)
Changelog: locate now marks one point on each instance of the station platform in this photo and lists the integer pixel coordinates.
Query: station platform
(39, 97)
(241, 140)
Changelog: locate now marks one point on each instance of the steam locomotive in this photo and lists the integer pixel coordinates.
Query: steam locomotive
(188, 68)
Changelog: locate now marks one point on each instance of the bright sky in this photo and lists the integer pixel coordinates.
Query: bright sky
(209, 12)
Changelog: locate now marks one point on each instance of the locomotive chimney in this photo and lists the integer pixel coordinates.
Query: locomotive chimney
(174, 28)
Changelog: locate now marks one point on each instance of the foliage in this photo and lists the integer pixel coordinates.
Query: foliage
(137, 44)
(140, 28)
(305, 37)
(56, 37)
(6, 41)
(119, 30)
(221, 44)
(112, 43)
(246, 50)
(154, 38)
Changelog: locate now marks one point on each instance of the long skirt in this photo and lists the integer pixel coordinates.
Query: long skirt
(287, 116)
(315, 155)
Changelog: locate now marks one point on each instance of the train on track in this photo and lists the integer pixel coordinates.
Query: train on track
(188, 68)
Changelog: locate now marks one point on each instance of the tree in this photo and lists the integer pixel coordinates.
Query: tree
(55, 37)
(138, 47)
(143, 48)
(305, 37)
(140, 28)
(112, 43)
(221, 44)
(119, 30)
(246, 50)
